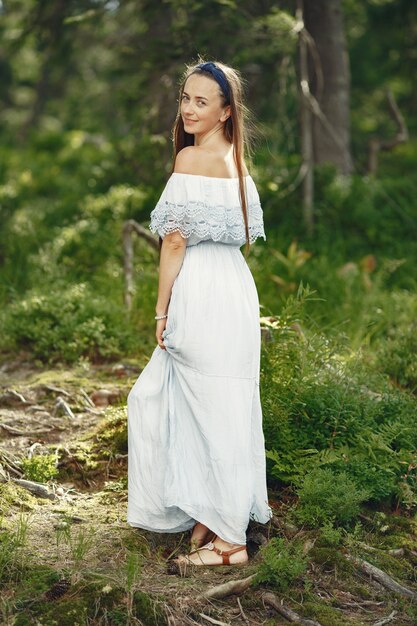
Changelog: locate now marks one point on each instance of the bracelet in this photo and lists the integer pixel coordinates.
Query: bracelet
(161, 317)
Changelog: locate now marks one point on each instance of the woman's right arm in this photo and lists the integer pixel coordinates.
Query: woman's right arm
(171, 258)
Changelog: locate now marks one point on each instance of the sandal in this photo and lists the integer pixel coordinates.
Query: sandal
(225, 554)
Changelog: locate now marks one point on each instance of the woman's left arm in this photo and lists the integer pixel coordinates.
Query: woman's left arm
(171, 258)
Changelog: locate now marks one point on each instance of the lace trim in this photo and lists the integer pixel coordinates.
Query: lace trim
(205, 220)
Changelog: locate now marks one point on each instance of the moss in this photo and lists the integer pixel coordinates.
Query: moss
(65, 612)
(326, 615)
(331, 557)
(113, 431)
(39, 579)
(93, 601)
(147, 610)
(11, 495)
(397, 567)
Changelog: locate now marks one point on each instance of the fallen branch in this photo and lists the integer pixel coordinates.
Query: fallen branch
(36, 488)
(57, 390)
(62, 407)
(392, 552)
(227, 589)
(10, 464)
(379, 575)
(242, 612)
(12, 397)
(386, 620)
(24, 433)
(213, 621)
(289, 614)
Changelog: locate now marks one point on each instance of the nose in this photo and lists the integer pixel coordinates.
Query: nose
(187, 108)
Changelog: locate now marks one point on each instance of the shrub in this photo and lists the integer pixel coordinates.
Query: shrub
(65, 324)
(281, 564)
(40, 468)
(325, 495)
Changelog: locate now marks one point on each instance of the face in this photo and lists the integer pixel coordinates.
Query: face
(201, 105)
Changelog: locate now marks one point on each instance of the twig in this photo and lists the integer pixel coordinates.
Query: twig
(227, 589)
(242, 612)
(87, 398)
(379, 575)
(62, 406)
(57, 390)
(12, 395)
(24, 433)
(386, 620)
(289, 614)
(392, 552)
(213, 621)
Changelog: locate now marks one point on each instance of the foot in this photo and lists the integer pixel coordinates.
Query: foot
(218, 552)
(200, 536)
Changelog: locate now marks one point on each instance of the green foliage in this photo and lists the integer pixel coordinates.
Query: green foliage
(65, 324)
(40, 467)
(327, 496)
(325, 405)
(281, 564)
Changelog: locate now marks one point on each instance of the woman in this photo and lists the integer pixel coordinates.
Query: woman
(196, 446)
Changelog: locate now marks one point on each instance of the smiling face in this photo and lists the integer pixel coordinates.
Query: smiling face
(202, 108)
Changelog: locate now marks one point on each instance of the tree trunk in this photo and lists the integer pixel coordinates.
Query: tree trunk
(324, 21)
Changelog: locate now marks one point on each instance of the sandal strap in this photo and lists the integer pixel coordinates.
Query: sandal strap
(225, 554)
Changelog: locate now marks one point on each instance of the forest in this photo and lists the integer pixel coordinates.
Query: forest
(88, 98)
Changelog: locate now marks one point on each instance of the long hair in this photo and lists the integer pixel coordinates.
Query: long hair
(235, 128)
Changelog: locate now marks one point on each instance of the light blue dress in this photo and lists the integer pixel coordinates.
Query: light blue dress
(196, 445)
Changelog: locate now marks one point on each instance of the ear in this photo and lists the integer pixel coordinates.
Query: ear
(226, 113)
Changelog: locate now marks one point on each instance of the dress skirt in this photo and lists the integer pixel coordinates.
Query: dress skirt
(196, 445)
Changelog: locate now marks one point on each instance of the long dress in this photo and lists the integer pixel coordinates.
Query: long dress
(196, 445)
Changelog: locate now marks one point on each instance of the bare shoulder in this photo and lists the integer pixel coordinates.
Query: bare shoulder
(190, 160)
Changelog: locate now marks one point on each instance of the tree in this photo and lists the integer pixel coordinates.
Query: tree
(331, 131)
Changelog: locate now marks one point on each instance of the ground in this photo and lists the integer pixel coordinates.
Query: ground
(72, 559)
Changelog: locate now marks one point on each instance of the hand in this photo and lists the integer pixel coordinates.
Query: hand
(160, 327)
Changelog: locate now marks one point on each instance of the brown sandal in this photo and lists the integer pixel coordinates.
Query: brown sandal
(225, 554)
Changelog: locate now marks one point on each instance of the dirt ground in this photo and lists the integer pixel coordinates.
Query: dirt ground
(80, 563)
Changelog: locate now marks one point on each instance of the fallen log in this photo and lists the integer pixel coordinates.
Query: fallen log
(36, 488)
(379, 575)
(227, 589)
(270, 599)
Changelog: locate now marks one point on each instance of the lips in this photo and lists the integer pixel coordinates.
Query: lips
(187, 121)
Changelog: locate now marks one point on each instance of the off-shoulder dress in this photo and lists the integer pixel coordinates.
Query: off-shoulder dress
(196, 445)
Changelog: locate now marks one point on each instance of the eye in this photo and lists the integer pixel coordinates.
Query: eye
(201, 103)
(184, 97)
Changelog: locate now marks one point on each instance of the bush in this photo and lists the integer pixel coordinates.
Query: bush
(281, 564)
(40, 468)
(65, 324)
(325, 496)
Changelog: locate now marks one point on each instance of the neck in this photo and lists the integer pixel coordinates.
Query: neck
(210, 138)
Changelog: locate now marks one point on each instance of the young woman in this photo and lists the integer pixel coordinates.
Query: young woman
(196, 445)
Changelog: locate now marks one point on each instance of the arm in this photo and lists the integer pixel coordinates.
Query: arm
(171, 258)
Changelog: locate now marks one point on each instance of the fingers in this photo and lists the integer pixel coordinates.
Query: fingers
(160, 342)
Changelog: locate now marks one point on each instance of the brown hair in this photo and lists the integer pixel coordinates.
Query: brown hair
(235, 128)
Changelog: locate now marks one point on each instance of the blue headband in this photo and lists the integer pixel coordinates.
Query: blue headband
(219, 76)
